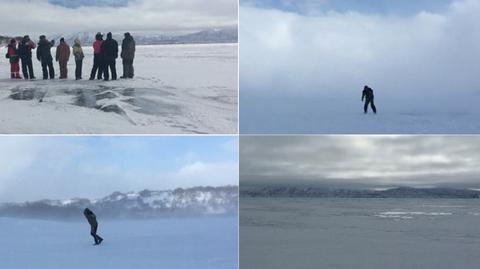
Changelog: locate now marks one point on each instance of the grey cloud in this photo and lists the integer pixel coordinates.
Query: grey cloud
(366, 160)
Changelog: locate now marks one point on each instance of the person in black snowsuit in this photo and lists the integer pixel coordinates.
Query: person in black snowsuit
(44, 55)
(109, 54)
(367, 94)
(25, 53)
(92, 220)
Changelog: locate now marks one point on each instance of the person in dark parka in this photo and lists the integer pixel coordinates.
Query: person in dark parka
(367, 94)
(92, 220)
(109, 54)
(44, 55)
(97, 57)
(25, 53)
(127, 54)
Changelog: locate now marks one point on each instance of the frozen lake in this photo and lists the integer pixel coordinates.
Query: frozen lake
(209, 242)
(442, 113)
(359, 233)
(177, 89)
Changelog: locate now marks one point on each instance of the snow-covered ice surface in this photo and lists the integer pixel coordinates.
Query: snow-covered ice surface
(210, 242)
(445, 113)
(177, 89)
(359, 233)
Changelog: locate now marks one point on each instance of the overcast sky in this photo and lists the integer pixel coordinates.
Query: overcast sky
(400, 48)
(375, 161)
(65, 167)
(35, 17)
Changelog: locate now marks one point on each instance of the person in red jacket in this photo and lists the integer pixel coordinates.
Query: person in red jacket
(97, 57)
(12, 55)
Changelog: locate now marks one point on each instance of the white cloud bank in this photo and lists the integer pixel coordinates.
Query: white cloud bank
(288, 53)
(35, 17)
(36, 168)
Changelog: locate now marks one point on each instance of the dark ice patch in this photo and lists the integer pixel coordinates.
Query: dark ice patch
(26, 94)
(150, 107)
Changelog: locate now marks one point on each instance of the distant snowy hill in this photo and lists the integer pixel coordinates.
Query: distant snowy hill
(4, 40)
(320, 192)
(143, 204)
(97, 3)
(227, 35)
(203, 37)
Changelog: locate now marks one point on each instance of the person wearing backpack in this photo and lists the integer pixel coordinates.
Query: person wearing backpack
(78, 54)
(25, 53)
(12, 55)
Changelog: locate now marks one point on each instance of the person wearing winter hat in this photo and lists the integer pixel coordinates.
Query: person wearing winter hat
(12, 55)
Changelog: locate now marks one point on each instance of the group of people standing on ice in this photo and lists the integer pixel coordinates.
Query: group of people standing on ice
(105, 53)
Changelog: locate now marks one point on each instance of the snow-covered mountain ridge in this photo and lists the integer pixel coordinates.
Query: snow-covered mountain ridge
(143, 204)
(324, 192)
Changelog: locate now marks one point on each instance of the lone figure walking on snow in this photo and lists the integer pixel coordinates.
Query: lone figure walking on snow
(92, 220)
(367, 94)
